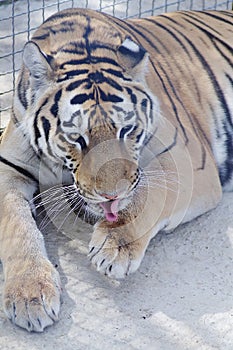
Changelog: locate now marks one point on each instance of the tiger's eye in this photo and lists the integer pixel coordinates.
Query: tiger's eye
(125, 130)
(82, 142)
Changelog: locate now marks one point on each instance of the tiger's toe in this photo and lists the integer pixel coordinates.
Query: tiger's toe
(113, 256)
(31, 301)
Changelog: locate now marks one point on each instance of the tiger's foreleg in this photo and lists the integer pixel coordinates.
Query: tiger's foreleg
(32, 289)
(118, 251)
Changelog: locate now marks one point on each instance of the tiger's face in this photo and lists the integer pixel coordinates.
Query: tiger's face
(101, 145)
(95, 124)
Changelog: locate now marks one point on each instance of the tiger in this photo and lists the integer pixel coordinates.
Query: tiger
(132, 120)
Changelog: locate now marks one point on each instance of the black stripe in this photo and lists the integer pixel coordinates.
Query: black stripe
(114, 72)
(54, 108)
(21, 89)
(77, 45)
(97, 78)
(71, 74)
(172, 20)
(133, 97)
(171, 145)
(226, 169)
(75, 62)
(64, 14)
(86, 37)
(1, 133)
(82, 142)
(14, 118)
(113, 83)
(144, 109)
(217, 122)
(95, 45)
(125, 130)
(200, 132)
(18, 168)
(213, 14)
(139, 136)
(64, 27)
(109, 97)
(58, 30)
(92, 59)
(75, 84)
(36, 129)
(150, 100)
(222, 53)
(229, 78)
(81, 98)
(46, 126)
(228, 13)
(41, 37)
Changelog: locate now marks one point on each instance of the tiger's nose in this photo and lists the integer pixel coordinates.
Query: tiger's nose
(108, 196)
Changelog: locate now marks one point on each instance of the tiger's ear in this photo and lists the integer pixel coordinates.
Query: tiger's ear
(133, 58)
(37, 63)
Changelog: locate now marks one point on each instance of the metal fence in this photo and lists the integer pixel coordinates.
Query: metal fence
(18, 20)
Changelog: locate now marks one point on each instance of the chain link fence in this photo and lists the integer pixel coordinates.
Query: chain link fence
(20, 18)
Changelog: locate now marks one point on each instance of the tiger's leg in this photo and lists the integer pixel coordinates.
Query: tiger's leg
(32, 289)
(117, 248)
(118, 251)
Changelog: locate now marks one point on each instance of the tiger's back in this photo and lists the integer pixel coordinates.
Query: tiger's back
(191, 54)
(191, 73)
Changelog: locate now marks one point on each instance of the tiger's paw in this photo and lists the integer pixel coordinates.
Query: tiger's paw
(32, 296)
(115, 252)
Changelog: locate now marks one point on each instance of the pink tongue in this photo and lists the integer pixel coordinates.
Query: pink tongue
(110, 210)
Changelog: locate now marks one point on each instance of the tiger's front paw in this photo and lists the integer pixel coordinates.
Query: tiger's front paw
(32, 295)
(116, 252)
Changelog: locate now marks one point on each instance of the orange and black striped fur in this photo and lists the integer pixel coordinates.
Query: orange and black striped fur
(132, 121)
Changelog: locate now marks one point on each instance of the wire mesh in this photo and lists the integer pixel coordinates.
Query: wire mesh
(19, 19)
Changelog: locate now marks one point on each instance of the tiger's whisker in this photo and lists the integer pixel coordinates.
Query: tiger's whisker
(71, 210)
(57, 208)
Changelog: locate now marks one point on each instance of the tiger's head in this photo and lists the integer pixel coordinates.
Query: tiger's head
(92, 111)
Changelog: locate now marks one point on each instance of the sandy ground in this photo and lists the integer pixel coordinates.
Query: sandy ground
(181, 298)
